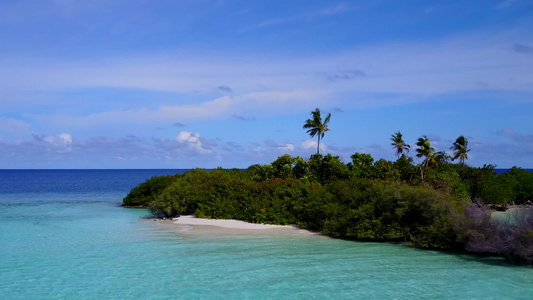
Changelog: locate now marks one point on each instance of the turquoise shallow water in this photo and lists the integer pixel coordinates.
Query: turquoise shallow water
(63, 237)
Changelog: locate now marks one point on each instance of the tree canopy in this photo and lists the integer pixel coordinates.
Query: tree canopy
(424, 149)
(460, 148)
(361, 200)
(399, 144)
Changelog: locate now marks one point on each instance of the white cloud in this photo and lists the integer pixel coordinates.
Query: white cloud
(395, 74)
(312, 144)
(288, 147)
(284, 148)
(60, 140)
(308, 144)
(63, 151)
(65, 138)
(14, 126)
(60, 143)
(425, 68)
(193, 141)
(264, 103)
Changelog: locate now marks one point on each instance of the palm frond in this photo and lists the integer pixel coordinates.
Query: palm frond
(316, 127)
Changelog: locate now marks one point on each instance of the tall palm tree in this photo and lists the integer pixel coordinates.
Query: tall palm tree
(424, 149)
(399, 144)
(316, 127)
(460, 147)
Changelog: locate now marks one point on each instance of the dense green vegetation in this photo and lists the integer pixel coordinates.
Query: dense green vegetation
(361, 200)
(435, 205)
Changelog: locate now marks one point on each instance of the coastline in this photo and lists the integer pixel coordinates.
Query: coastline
(189, 223)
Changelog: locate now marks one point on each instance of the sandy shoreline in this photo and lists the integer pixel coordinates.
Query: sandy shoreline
(230, 224)
(234, 226)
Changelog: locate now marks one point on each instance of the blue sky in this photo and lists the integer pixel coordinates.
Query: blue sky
(194, 83)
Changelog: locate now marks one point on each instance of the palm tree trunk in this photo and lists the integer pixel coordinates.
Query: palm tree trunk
(318, 145)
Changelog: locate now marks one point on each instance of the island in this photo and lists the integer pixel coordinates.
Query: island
(441, 205)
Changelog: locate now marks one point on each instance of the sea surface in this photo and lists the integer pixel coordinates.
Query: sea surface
(500, 171)
(63, 235)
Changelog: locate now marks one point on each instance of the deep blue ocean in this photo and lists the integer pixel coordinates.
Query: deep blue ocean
(500, 171)
(64, 235)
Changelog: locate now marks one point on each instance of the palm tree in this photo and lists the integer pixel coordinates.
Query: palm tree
(424, 149)
(316, 127)
(460, 147)
(440, 158)
(399, 144)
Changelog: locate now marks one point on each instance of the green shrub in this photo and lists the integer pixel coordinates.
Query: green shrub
(361, 165)
(327, 168)
(496, 189)
(522, 182)
(385, 170)
(145, 192)
(363, 200)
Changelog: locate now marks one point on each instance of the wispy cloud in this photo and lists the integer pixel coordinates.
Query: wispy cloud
(524, 49)
(445, 66)
(522, 138)
(506, 4)
(505, 152)
(138, 76)
(13, 126)
(411, 73)
(242, 118)
(344, 75)
(268, 102)
(234, 146)
(246, 119)
(339, 8)
(285, 148)
(225, 88)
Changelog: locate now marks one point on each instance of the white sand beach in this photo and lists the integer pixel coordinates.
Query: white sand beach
(234, 226)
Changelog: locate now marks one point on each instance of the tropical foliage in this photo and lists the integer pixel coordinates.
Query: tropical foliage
(460, 148)
(361, 200)
(399, 144)
(425, 150)
(316, 127)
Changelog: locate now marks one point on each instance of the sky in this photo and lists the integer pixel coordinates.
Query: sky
(226, 83)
